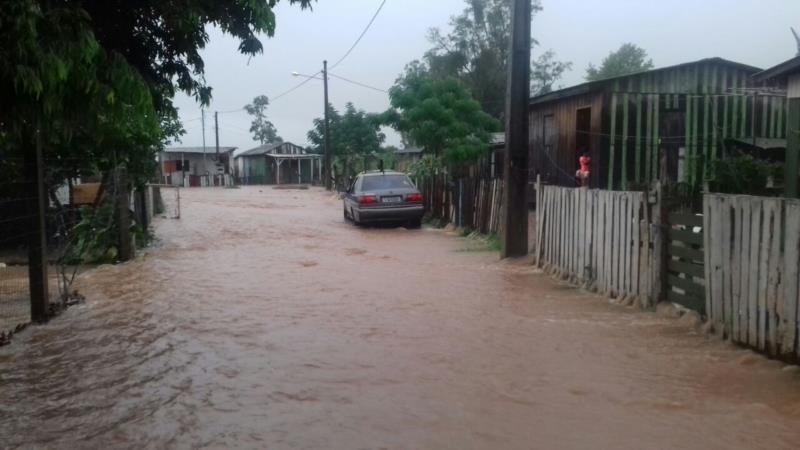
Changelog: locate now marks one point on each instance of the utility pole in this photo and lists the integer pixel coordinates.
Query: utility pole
(515, 185)
(203, 121)
(216, 134)
(327, 129)
(37, 240)
(216, 130)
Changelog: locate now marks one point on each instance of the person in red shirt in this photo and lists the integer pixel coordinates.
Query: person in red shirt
(582, 175)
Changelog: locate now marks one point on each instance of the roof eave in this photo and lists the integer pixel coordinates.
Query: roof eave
(781, 70)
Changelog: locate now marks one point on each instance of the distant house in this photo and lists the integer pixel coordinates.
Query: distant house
(405, 157)
(686, 112)
(196, 166)
(280, 163)
(787, 76)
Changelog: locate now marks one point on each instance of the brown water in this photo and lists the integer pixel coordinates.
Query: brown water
(263, 321)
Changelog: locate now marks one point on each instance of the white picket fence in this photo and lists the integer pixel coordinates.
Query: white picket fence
(596, 238)
(752, 259)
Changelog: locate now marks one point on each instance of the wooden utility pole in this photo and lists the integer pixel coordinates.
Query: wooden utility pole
(122, 201)
(515, 186)
(37, 242)
(216, 130)
(328, 174)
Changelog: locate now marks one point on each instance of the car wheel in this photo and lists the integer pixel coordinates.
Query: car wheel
(346, 217)
(414, 224)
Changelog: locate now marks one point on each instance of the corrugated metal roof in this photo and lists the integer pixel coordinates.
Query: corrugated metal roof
(783, 69)
(592, 86)
(260, 150)
(289, 156)
(408, 151)
(208, 149)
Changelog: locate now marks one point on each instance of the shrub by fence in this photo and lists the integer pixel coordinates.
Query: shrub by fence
(752, 260)
(596, 238)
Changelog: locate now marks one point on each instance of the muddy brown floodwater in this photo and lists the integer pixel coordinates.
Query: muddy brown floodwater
(263, 321)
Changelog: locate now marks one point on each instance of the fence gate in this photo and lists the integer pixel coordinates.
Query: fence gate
(685, 261)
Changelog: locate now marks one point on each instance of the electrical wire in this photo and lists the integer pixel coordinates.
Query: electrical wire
(358, 84)
(336, 64)
(296, 87)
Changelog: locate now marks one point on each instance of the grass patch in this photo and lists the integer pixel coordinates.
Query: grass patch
(481, 243)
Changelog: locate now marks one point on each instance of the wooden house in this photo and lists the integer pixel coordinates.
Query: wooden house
(196, 166)
(279, 163)
(787, 76)
(686, 112)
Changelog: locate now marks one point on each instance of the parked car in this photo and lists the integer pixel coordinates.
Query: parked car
(383, 196)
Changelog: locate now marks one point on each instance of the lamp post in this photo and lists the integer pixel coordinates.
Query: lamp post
(327, 137)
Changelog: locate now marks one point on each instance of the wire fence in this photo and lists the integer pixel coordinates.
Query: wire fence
(82, 219)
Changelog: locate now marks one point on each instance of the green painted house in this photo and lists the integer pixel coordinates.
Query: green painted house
(787, 76)
(689, 114)
(279, 163)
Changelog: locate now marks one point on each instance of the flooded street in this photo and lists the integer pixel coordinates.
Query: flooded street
(262, 320)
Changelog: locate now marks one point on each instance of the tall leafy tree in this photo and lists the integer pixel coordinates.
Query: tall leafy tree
(628, 58)
(94, 79)
(475, 51)
(355, 135)
(263, 130)
(441, 116)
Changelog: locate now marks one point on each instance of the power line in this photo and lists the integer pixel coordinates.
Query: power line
(359, 84)
(296, 87)
(359, 37)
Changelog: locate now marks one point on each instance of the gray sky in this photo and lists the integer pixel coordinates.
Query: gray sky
(754, 32)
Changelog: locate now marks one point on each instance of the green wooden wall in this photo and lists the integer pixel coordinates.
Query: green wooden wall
(695, 106)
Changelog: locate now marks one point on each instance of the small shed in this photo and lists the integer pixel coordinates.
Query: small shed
(405, 157)
(686, 112)
(278, 163)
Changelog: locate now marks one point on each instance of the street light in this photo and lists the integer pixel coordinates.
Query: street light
(326, 126)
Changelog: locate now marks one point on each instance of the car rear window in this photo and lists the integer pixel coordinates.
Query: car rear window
(379, 182)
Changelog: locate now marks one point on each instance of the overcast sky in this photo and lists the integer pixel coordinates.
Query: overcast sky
(754, 32)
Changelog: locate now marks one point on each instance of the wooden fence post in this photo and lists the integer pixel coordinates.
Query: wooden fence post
(659, 229)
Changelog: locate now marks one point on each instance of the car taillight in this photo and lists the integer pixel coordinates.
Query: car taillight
(417, 198)
(367, 199)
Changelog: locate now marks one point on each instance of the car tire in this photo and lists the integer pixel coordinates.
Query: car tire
(346, 217)
(414, 224)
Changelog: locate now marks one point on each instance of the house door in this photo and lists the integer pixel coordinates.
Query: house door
(672, 131)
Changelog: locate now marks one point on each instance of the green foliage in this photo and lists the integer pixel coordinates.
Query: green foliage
(95, 80)
(90, 108)
(629, 58)
(441, 116)
(475, 51)
(94, 237)
(263, 130)
(427, 166)
(745, 174)
(355, 135)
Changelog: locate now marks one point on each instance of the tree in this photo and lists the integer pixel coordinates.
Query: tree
(475, 52)
(440, 116)
(629, 58)
(263, 130)
(355, 135)
(95, 78)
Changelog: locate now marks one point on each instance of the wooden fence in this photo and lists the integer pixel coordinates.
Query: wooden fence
(752, 258)
(596, 238)
(685, 274)
(470, 203)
